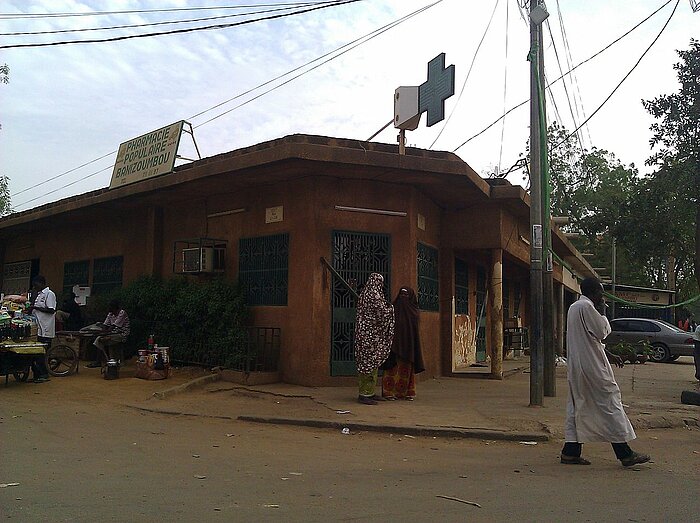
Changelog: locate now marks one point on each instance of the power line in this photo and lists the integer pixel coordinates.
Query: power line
(568, 72)
(169, 22)
(335, 3)
(66, 185)
(624, 78)
(350, 45)
(469, 72)
(505, 90)
(569, 63)
(566, 89)
(24, 16)
(618, 85)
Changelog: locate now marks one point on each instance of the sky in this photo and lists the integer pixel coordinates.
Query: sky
(67, 108)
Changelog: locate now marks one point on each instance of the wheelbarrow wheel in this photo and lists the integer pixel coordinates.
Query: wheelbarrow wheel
(21, 375)
(61, 360)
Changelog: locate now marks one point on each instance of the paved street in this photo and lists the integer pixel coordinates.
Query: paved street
(79, 453)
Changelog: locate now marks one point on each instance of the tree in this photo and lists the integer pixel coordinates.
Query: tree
(677, 136)
(5, 207)
(592, 188)
(5, 204)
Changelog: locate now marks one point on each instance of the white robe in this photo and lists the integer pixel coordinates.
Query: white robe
(594, 410)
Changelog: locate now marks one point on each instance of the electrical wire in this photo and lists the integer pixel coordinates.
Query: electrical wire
(469, 72)
(151, 24)
(505, 90)
(568, 72)
(25, 16)
(619, 84)
(566, 89)
(624, 78)
(67, 185)
(569, 63)
(336, 3)
(350, 45)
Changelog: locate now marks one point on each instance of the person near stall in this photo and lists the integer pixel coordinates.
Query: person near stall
(43, 308)
(116, 329)
(69, 316)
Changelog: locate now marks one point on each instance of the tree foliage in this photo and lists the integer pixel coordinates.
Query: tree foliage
(676, 146)
(5, 207)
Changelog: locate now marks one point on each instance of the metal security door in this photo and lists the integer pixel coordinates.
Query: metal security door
(355, 256)
(481, 297)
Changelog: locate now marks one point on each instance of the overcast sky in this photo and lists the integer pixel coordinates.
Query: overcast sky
(68, 105)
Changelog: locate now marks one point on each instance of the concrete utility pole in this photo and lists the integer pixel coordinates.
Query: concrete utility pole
(614, 277)
(536, 239)
(550, 377)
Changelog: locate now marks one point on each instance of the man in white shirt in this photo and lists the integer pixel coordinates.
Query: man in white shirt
(44, 310)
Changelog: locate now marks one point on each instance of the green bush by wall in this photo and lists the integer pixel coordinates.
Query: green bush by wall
(202, 322)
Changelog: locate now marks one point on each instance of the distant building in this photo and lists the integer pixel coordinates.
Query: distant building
(643, 302)
(265, 215)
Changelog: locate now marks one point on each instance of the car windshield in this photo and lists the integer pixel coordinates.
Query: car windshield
(672, 327)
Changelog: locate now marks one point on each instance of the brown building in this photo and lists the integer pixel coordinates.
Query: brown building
(267, 214)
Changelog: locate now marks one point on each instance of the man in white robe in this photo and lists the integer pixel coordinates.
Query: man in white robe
(594, 411)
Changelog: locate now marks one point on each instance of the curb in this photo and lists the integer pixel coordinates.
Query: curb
(197, 382)
(445, 432)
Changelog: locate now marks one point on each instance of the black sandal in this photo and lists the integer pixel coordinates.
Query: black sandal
(574, 460)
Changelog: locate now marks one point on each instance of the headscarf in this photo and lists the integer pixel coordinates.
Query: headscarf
(406, 343)
(374, 326)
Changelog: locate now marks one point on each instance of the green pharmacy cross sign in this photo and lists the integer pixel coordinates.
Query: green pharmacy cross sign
(429, 97)
(439, 86)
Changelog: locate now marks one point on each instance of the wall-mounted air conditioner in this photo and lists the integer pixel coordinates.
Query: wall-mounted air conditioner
(203, 259)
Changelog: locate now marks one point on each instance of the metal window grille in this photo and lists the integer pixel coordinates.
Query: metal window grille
(107, 274)
(356, 255)
(428, 284)
(506, 299)
(517, 298)
(16, 277)
(75, 273)
(263, 269)
(461, 287)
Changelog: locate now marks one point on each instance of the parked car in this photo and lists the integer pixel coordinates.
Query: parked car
(667, 342)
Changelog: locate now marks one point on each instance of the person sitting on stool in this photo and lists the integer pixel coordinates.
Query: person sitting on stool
(117, 329)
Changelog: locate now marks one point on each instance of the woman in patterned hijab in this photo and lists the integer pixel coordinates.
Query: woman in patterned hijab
(374, 331)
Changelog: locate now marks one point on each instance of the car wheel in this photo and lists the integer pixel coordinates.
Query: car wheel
(660, 353)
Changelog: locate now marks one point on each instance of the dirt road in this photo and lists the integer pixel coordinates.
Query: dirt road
(101, 461)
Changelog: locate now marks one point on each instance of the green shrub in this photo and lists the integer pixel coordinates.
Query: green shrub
(631, 351)
(202, 322)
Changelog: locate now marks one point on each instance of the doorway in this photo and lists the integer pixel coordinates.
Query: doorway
(355, 256)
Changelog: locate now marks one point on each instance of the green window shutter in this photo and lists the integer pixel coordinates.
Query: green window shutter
(428, 283)
(263, 269)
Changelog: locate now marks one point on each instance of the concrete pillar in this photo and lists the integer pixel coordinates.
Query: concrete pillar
(561, 318)
(496, 291)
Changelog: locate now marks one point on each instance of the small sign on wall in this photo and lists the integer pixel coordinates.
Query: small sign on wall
(274, 214)
(421, 222)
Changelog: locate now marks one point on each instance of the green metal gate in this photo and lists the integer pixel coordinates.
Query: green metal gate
(481, 298)
(355, 256)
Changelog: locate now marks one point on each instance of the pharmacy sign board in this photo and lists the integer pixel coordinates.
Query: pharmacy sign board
(146, 156)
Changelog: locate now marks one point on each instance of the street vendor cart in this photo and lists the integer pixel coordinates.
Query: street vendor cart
(16, 358)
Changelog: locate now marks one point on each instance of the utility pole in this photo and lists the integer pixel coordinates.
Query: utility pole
(614, 276)
(548, 353)
(536, 240)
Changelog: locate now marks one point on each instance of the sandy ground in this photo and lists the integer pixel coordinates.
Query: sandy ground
(80, 454)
